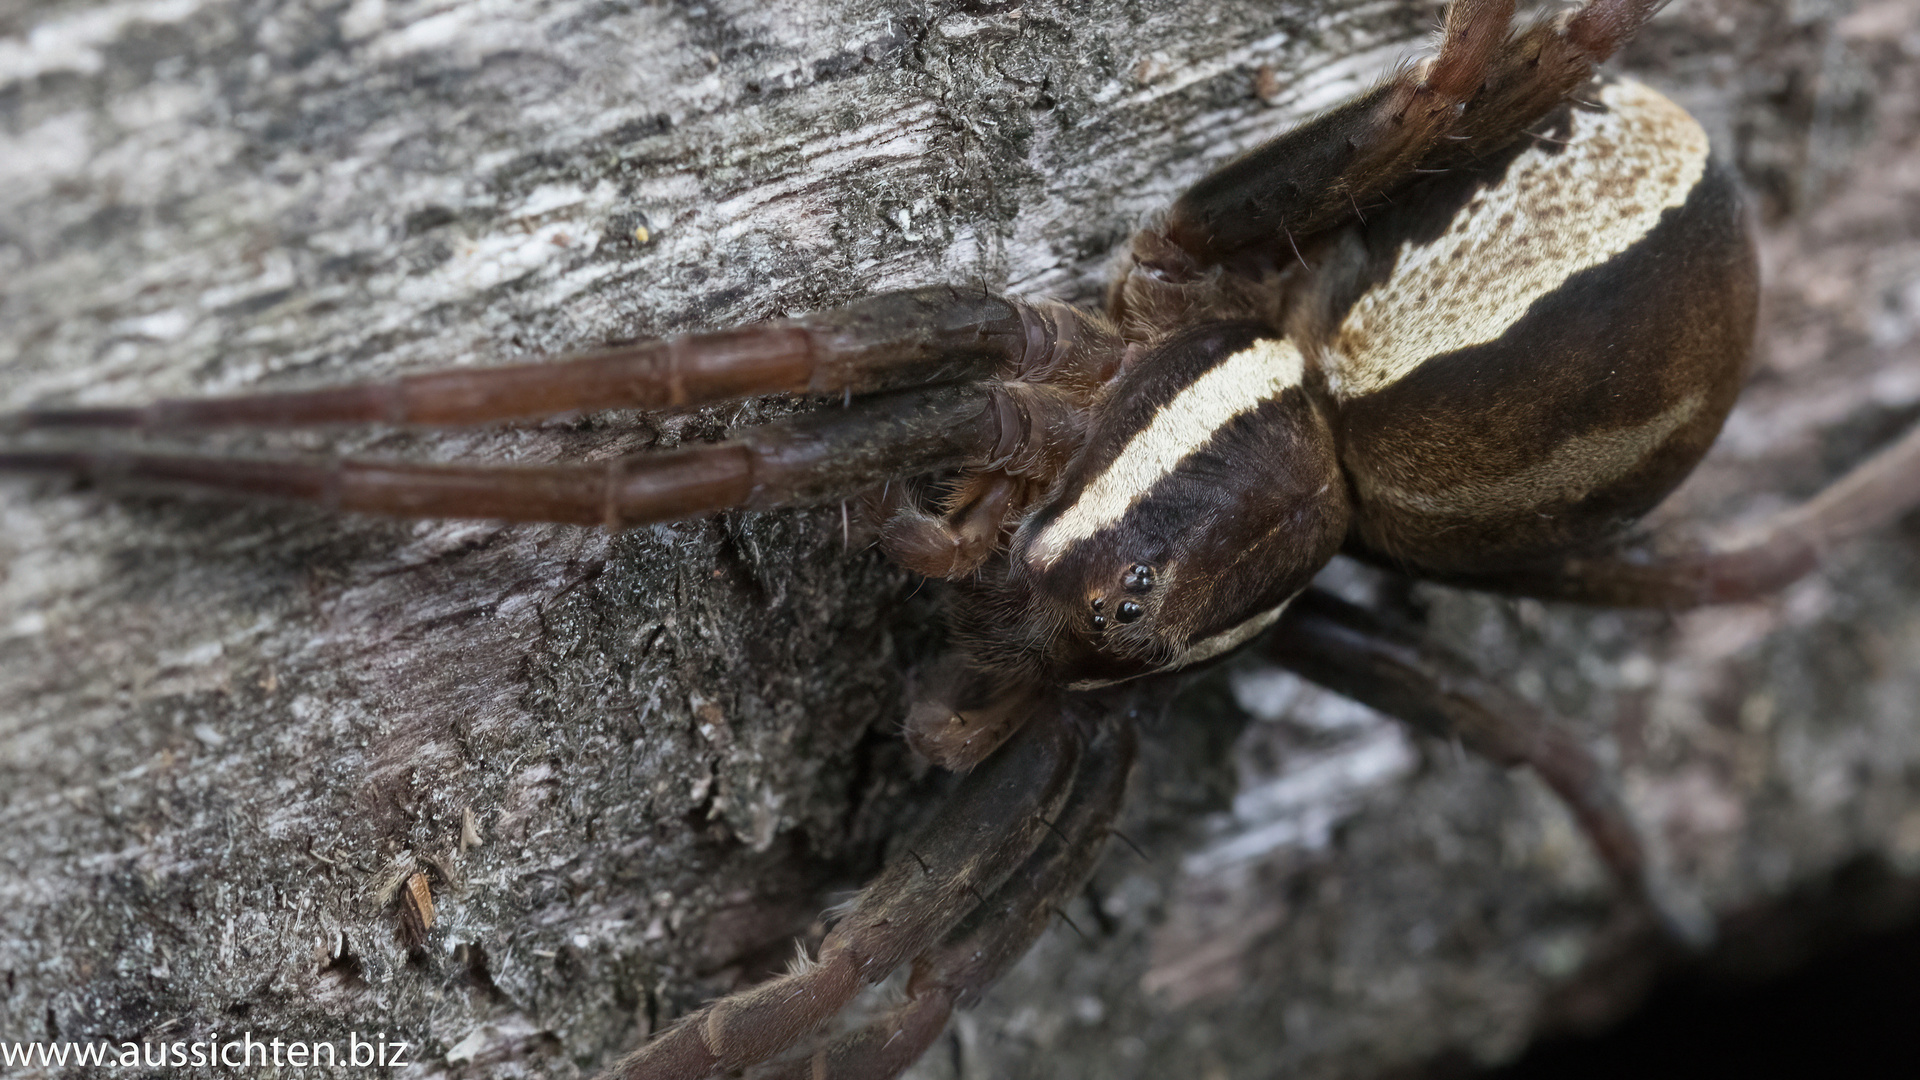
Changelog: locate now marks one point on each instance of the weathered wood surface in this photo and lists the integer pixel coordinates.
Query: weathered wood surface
(226, 732)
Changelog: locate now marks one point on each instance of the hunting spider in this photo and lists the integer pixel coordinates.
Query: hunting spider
(1470, 326)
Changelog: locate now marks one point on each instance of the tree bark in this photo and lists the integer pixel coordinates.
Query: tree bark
(631, 768)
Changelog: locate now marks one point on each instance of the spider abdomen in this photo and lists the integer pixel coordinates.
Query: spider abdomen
(1522, 356)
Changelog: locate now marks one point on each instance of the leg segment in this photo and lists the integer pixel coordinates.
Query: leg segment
(1782, 550)
(953, 545)
(913, 338)
(1317, 174)
(997, 934)
(1537, 70)
(821, 455)
(1348, 650)
(984, 834)
(1481, 90)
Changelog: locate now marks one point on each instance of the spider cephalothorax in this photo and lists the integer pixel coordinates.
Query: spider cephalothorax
(1145, 556)
(1468, 324)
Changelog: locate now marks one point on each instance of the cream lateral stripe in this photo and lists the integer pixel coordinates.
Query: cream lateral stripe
(1236, 385)
(1208, 648)
(1558, 211)
(1574, 470)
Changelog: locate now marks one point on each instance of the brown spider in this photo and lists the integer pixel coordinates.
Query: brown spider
(1143, 494)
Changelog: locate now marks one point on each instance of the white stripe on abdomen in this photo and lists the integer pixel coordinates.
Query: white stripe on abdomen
(1558, 211)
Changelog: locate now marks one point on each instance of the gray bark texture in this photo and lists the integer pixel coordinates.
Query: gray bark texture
(632, 768)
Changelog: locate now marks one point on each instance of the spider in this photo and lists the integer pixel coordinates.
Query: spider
(1063, 521)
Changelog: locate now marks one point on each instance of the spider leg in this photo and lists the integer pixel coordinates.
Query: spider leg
(1483, 88)
(1779, 552)
(1042, 426)
(1537, 70)
(998, 933)
(1347, 649)
(916, 337)
(817, 456)
(982, 836)
(953, 545)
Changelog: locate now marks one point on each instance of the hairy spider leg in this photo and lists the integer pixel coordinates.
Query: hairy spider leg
(1539, 67)
(1779, 552)
(815, 457)
(1352, 652)
(950, 545)
(915, 337)
(990, 827)
(1047, 362)
(1484, 87)
(956, 972)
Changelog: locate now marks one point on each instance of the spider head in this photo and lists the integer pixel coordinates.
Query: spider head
(1206, 497)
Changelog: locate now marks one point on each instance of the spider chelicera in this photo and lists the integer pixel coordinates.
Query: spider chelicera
(1294, 361)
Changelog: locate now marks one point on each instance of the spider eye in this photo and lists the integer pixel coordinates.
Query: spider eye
(1128, 611)
(1099, 622)
(1139, 578)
